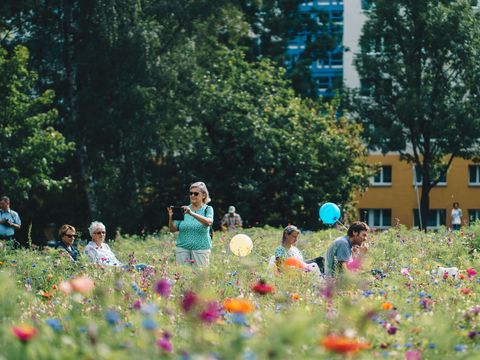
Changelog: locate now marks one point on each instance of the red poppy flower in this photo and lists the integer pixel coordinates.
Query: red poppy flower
(262, 288)
(344, 345)
(24, 332)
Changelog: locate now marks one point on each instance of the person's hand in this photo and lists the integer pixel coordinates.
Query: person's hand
(187, 210)
(170, 211)
(359, 250)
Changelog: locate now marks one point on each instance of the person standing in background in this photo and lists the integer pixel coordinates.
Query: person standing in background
(456, 216)
(231, 220)
(9, 222)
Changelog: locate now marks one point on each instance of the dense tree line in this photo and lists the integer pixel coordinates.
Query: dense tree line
(139, 98)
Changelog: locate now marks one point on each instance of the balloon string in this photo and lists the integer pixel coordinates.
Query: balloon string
(338, 221)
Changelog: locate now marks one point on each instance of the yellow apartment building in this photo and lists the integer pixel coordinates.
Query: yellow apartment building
(392, 194)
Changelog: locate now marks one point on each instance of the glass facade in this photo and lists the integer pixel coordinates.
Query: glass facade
(327, 70)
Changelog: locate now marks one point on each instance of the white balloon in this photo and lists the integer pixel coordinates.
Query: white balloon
(241, 245)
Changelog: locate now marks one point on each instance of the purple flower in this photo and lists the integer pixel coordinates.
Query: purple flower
(162, 287)
(472, 334)
(137, 304)
(392, 330)
(165, 344)
(189, 300)
(210, 314)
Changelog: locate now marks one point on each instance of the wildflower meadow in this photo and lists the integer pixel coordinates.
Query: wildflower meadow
(400, 302)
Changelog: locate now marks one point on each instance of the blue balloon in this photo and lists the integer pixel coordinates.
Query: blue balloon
(329, 213)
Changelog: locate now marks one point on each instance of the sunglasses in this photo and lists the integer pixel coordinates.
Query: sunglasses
(71, 236)
(194, 193)
(99, 232)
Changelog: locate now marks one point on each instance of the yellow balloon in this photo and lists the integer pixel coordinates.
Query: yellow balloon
(241, 245)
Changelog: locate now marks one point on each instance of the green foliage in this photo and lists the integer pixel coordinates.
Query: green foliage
(29, 145)
(298, 154)
(420, 66)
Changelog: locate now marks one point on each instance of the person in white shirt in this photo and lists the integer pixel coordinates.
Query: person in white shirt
(97, 251)
(456, 216)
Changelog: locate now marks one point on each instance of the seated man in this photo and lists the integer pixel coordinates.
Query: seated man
(67, 235)
(340, 252)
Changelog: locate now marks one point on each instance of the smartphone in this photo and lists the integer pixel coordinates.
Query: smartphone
(178, 213)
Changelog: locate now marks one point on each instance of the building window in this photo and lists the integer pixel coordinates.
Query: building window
(436, 218)
(474, 175)
(473, 215)
(366, 4)
(419, 178)
(378, 218)
(383, 177)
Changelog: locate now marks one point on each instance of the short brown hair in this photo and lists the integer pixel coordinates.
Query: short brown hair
(63, 230)
(357, 226)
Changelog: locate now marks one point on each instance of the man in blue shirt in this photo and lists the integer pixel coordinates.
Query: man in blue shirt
(9, 220)
(340, 252)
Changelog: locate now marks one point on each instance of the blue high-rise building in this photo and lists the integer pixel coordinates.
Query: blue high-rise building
(327, 71)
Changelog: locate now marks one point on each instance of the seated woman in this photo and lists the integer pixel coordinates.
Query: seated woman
(288, 250)
(100, 253)
(97, 251)
(67, 235)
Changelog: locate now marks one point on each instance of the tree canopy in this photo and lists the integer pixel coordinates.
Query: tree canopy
(420, 66)
(158, 94)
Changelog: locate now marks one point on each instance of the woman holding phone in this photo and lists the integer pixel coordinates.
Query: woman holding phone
(194, 241)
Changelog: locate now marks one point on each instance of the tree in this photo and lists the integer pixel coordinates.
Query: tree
(420, 65)
(271, 153)
(29, 146)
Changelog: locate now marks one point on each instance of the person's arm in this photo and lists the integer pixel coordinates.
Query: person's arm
(16, 223)
(239, 221)
(204, 220)
(171, 225)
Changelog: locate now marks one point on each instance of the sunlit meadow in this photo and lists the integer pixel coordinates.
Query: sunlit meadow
(397, 305)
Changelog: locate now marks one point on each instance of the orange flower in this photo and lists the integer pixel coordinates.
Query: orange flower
(295, 297)
(45, 294)
(24, 332)
(341, 344)
(54, 287)
(292, 262)
(387, 306)
(238, 306)
(82, 285)
(462, 276)
(466, 291)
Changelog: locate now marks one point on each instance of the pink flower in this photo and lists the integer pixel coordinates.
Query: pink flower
(354, 264)
(405, 271)
(471, 272)
(162, 287)
(413, 355)
(210, 314)
(189, 300)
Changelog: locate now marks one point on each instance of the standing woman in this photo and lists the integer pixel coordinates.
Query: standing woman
(456, 216)
(194, 241)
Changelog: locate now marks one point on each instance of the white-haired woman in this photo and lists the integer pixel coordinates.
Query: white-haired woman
(194, 241)
(97, 251)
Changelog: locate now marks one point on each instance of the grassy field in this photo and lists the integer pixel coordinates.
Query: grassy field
(395, 306)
